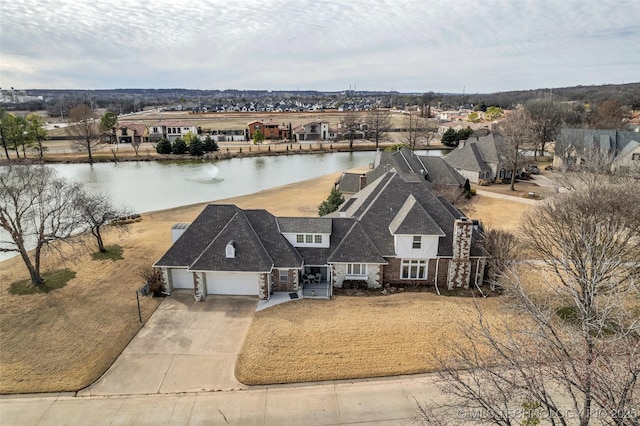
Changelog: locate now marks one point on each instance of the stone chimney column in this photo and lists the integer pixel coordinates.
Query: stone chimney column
(459, 274)
(363, 181)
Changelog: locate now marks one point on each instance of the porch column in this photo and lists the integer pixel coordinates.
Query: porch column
(263, 286)
(166, 277)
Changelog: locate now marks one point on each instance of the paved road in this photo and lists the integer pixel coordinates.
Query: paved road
(385, 401)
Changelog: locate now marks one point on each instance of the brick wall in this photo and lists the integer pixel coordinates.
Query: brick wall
(391, 273)
(290, 285)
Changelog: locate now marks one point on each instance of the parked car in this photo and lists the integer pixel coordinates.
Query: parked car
(533, 169)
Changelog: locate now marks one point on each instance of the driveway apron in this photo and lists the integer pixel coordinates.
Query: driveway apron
(186, 346)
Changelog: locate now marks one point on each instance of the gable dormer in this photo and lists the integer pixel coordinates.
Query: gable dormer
(416, 235)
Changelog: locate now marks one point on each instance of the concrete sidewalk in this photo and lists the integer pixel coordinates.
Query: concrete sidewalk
(392, 400)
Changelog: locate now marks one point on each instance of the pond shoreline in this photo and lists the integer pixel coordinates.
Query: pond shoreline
(224, 153)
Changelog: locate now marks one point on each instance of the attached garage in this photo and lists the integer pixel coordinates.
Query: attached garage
(181, 278)
(232, 283)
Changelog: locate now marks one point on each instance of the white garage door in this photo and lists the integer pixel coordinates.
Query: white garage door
(181, 278)
(232, 283)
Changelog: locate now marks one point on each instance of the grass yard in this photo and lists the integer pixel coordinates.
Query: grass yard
(355, 337)
(65, 339)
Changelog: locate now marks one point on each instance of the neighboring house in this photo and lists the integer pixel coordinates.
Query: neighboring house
(481, 159)
(396, 231)
(126, 133)
(230, 135)
(573, 146)
(270, 129)
(433, 171)
(171, 130)
(313, 131)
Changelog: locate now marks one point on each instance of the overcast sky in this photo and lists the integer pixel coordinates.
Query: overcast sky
(409, 46)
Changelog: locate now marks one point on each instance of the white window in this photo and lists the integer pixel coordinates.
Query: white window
(317, 239)
(413, 269)
(356, 269)
(635, 156)
(417, 242)
(284, 276)
(308, 239)
(299, 238)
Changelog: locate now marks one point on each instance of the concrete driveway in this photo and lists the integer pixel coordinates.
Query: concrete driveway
(186, 346)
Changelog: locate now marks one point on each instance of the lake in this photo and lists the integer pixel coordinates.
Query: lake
(156, 185)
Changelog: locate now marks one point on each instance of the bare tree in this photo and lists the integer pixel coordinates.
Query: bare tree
(608, 115)
(430, 130)
(378, 123)
(350, 123)
(504, 248)
(516, 133)
(545, 120)
(98, 212)
(36, 208)
(576, 359)
(136, 142)
(84, 127)
(414, 127)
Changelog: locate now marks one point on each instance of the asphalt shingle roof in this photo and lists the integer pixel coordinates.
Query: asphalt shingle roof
(250, 253)
(198, 236)
(319, 256)
(309, 225)
(356, 247)
(412, 219)
(283, 254)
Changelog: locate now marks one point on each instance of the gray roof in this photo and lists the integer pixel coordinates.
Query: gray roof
(309, 225)
(259, 244)
(607, 141)
(433, 170)
(356, 247)
(412, 219)
(181, 225)
(441, 173)
(476, 155)
(265, 225)
(350, 183)
(250, 254)
(198, 236)
(378, 204)
(320, 255)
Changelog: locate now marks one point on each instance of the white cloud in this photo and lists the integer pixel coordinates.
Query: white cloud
(410, 45)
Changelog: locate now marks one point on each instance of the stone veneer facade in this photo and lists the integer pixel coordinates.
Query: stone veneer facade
(460, 265)
(374, 275)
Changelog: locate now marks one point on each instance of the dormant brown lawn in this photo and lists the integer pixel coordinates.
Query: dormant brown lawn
(355, 337)
(64, 340)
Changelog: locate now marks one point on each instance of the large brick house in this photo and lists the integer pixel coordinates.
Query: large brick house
(395, 231)
(271, 130)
